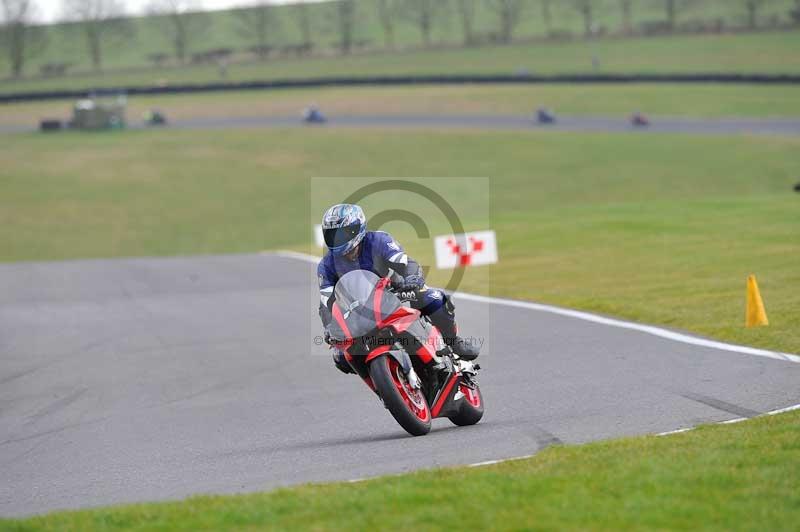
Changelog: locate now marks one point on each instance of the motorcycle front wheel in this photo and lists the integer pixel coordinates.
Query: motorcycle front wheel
(406, 404)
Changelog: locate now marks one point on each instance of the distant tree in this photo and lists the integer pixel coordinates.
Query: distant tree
(753, 7)
(100, 21)
(584, 7)
(509, 13)
(547, 16)
(387, 12)
(671, 8)
(466, 13)
(181, 22)
(256, 23)
(346, 20)
(20, 38)
(626, 6)
(158, 59)
(302, 17)
(423, 13)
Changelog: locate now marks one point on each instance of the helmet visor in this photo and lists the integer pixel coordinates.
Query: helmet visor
(340, 235)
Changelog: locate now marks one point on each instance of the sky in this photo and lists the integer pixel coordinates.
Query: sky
(52, 10)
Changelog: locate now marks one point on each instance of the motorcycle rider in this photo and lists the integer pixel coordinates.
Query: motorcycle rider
(352, 247)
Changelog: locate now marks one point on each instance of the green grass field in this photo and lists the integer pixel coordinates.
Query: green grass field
(757, 101)
(724, 477)
(756, 52)
(661, 229)
(66, 43)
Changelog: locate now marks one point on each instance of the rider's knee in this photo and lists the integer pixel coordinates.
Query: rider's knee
(433, 300)
(437, 303)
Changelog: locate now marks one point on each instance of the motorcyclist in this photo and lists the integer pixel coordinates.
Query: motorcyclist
(352, 247)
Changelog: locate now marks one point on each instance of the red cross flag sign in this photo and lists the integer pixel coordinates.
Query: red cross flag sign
(469, 249)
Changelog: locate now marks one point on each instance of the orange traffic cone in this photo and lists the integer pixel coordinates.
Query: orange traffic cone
(755, 314)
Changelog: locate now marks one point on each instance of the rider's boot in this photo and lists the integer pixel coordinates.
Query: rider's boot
(440, 308)
(465, 348)
(444, 319)
(341, 362)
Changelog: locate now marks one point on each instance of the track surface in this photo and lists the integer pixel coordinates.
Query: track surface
(502, 122)
(517, 123)
(144, 379)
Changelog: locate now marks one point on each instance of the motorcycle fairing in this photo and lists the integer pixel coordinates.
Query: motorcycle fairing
(390, 311)
(396, 352)
(443, 405)
(364, 306)
(339, 330)
(425, 340)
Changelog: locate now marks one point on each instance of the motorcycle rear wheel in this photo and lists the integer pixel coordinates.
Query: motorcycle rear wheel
(471, 409)
(407, 405)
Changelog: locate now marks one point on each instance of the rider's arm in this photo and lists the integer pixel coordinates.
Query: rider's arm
(396, 258)
(412, 268)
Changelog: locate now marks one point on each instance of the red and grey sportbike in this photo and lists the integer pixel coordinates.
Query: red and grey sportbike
(401, 356)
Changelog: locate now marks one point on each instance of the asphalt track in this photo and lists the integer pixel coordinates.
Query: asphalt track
(728, 126)
(148, 379)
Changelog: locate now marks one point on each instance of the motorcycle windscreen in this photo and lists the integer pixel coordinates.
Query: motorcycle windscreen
(355, 298)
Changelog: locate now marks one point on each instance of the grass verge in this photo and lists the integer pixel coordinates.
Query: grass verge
(726, 477)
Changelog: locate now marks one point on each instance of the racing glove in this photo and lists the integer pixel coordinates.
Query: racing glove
(411, 282)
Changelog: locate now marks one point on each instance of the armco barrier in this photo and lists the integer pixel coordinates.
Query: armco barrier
(785, 79)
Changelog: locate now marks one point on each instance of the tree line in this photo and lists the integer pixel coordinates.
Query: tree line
(182, 24)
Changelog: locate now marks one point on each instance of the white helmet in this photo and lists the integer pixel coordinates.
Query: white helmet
(343, 227)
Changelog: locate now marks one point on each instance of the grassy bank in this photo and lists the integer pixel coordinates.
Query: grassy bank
(662, 229)
(724, 477)
(712, 101)
(66, 42)
(735, 53)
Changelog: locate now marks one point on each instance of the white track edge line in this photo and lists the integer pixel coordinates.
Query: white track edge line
(499, 461)
(735, 420)
(783, 410)
(732, 421)
(667, 433)
(676, 431)
(594, 318)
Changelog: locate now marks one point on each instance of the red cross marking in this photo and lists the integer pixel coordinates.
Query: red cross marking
(465, 258)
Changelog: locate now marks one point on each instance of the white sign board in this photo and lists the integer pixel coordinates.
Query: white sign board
(318, 238)
(469, 249)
